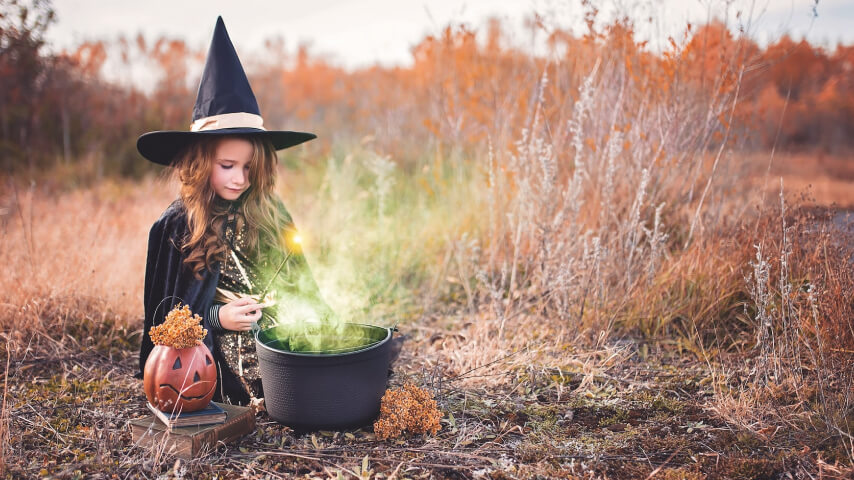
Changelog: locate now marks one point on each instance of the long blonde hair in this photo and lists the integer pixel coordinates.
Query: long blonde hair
(206, 216)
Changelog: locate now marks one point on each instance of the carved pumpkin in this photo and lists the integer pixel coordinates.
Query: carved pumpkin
(179, 379)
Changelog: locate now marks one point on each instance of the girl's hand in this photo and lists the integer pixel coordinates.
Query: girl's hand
(240, 314)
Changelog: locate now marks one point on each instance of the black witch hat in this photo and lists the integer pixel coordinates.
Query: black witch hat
(225, 105)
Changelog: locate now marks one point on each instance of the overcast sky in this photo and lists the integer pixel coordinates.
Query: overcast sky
(357, 33)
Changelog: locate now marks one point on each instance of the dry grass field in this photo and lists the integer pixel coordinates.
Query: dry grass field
(697, 370)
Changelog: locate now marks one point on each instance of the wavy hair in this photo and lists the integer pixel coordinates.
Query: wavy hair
(206, 213)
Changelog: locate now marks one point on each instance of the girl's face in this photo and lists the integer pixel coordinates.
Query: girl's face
(230, 173)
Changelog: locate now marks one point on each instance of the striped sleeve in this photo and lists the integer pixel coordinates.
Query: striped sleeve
(213, 318)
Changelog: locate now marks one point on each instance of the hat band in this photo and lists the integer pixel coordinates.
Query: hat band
(228, 120)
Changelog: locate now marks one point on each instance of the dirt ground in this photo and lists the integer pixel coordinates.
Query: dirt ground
(642, 419)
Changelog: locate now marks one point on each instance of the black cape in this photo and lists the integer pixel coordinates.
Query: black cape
(168, 281)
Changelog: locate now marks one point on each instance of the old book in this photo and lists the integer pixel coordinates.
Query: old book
(213, 413)
(192, 441)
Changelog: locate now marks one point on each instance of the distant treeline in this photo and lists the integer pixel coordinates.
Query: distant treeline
(462, 90)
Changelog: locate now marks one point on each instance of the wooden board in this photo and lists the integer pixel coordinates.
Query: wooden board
(191, 442)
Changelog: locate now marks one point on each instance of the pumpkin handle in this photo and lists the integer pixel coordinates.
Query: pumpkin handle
(161, 303)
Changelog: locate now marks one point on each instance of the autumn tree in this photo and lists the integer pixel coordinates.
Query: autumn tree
(22, 76)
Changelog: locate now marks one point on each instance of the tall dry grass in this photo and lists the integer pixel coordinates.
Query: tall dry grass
(800, 376)
(73, 264)
(594, 229)
(627, 213)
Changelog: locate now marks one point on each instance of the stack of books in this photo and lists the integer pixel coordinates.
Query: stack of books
(189, 435)
(212, 414)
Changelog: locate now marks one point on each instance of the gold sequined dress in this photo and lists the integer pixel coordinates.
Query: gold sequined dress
(238, 277)
(294, 290)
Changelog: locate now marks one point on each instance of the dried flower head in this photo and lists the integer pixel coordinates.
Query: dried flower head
(405, 409)
(182, 329)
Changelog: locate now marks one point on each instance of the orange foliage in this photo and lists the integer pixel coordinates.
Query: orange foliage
(461, 89)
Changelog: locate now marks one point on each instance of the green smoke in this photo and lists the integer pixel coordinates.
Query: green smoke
(321, 338)
(302, 321)
(375, 234)
(306, 325)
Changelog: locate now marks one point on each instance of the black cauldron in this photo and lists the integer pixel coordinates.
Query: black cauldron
(325, 390)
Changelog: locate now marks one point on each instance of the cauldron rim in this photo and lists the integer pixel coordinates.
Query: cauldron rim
(370, 347)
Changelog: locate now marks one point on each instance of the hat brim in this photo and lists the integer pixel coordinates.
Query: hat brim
(162, 146)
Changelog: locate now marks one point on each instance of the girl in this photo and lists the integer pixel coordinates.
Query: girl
(228, 239)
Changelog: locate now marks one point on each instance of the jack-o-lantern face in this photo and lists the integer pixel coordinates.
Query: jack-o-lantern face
(179, 379)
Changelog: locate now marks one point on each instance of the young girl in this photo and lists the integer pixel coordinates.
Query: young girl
(228, 239)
